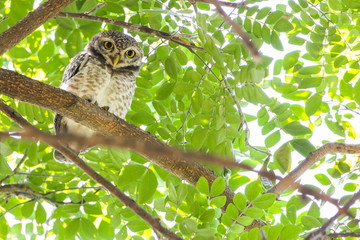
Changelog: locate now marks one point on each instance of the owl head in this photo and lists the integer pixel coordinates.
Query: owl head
(116, 49)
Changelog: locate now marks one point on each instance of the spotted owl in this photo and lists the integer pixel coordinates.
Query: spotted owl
(104, 74)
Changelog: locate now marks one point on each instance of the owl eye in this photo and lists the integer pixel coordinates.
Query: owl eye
(108, 45)
(130, 53)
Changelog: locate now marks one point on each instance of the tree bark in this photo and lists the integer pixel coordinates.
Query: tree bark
(28, 90)
(30, 23)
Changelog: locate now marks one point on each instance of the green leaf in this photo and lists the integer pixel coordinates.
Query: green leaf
(290, 232)
(19, 52)
(171, 68)
(245, 220)
(310, 82)
(254, 212)
(302, 146)
(147, 187)
(310, 70)
(160, 108)
(252, 190)
(283, 25)
(188, 226)
(208, 215)
(232, 211)
(198, 138)
(275, 41)
(335, 5)
(217, 187)
(272, 139)
(74, 43)
(106, 230)
(182, 88)
(142, 117)
(335, 127)
(262, 13)
(340, 61)
(181, 56)
(298, 95)
(27, 209)
(40, 214)
(165, 90)
(137, 225)
(4, 166)
(265, 201)
(350, 187)
(131, 173)
(282, 157)
(94, 209)
(296, 129)
(323, 179)
(274, 17)
(218, 201)
(87, 229)
(290, 59)
(312, 105)
(310, 222)
(72, 228)
(203, 186)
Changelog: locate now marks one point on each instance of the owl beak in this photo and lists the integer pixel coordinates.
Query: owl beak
(116, 60)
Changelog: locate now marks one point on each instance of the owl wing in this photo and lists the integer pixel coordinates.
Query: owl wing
(71, 70)
(75, 66)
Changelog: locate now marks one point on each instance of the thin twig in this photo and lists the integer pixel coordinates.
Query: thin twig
(224, 3)
(343, 235)
(16, 168)
(239, 31)
(97, 7)
(24, 190)
(321, 232)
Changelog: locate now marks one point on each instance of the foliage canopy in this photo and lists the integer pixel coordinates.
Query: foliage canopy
(304, 93)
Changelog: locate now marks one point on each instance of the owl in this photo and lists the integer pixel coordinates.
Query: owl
(104, 74)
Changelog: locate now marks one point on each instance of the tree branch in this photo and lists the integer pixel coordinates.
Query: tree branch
(25, 89)
(32, 132)
(24, 190)
(321, 232)
(225, 3)
(30, 23)
(238, 30)
(311, 159)
(343, 235)
(136, 146)
(132, 28)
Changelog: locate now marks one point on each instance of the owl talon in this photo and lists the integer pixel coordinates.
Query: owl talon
(106, 108)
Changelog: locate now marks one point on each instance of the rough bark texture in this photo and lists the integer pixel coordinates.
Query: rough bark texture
(28, 90)
(30, 23)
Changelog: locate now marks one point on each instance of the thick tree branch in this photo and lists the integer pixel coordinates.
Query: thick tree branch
(30, 23)
(32, 132)
(25, 89)
(132, 28)
(136, 146)
(313, 157)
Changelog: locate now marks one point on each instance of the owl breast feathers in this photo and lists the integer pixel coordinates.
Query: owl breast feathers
(104, 74)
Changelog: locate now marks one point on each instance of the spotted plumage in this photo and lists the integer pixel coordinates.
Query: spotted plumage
(104, 74)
